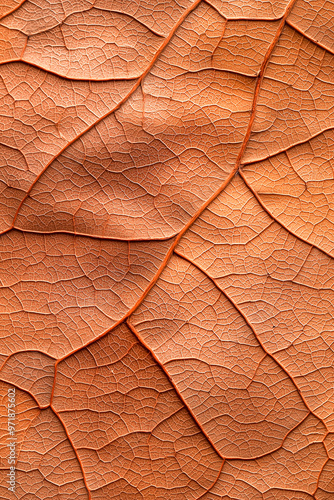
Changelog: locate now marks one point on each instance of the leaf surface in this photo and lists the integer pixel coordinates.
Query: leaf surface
(166, 249)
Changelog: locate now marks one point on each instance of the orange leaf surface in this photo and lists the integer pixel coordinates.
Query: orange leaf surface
(166, 250)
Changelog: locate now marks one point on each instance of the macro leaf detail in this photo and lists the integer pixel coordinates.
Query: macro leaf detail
(166, 249)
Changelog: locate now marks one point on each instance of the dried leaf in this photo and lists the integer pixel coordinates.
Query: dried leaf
(166, 255)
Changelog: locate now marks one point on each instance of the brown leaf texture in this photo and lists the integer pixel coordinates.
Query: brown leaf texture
(166, 249)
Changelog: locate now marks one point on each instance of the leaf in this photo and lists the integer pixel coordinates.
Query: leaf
(166, 264)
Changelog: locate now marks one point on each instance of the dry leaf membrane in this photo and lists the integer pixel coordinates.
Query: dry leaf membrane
(167, 230)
